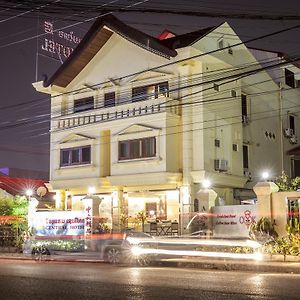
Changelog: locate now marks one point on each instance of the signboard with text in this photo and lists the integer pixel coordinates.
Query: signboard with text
(57, 41)
(233, 220)
(52, 223)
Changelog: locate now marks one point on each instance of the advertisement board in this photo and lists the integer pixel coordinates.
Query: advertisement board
(233, 220)
(53, 223)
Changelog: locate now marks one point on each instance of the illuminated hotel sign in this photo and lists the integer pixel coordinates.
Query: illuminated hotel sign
(233, 220)
(62, 223)
(58, 42)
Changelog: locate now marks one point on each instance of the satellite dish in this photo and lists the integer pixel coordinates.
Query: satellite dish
(41, 191)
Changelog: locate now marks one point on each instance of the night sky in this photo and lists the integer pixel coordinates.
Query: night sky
(24, 119)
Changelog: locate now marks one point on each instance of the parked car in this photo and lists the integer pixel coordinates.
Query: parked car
(111, 247)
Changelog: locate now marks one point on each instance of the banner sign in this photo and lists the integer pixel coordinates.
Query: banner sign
(233, 220)
(52, 223)
(57, 43)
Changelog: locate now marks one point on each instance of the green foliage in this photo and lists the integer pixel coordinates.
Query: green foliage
(16, 208)
(263, 230)
(288, 245)
(293, 227)
(62, 245)
(286, 184)
(6, 206)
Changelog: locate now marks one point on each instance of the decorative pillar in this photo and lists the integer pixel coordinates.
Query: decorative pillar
(32, 208)
(60, 199)
(117, 209)
(263, 191)
(185, 208)
(207, 199)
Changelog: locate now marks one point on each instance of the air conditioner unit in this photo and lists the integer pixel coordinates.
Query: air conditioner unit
(245, 119)
(293, 139)
(288, 132)
(221, 165)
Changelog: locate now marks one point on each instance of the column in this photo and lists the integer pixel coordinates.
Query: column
(263, 191)
(117, 209)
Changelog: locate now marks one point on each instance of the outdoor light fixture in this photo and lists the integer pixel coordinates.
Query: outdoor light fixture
(29, 193)
(206, 184)
(265, 175)
(91, 190)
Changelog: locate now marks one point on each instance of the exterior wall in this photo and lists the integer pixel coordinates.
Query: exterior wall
(274, 205)
(185, 125)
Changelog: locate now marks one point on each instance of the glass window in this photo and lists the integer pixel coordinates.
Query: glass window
(124, 150)
(139, 148)
(75, 156)
(65, 157)
(245, 157)
(289, 78)
(86, 155)
(109, 99)
(135, 148)
(83, 104)
(244, 105)
(150, 91)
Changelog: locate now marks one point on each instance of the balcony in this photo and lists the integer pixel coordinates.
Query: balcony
(120, 111)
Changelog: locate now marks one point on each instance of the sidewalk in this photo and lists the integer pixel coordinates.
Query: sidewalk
(267, 265)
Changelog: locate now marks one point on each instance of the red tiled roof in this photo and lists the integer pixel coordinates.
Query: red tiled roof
(18, 186)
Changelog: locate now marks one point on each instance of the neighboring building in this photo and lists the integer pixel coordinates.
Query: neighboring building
(22, 173)
(144, 121)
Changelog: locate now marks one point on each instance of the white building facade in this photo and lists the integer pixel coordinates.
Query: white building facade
(142, 122)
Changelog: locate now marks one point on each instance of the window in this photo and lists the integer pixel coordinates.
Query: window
(234, 147)
(83, 104)
(233, 93)
(230, 51)
(217, 143)
(75, 156)
(244, 105)
(245, 157)
(109, 99)
(142, 93)
(289, 78)
(139, 148)
(292, 123)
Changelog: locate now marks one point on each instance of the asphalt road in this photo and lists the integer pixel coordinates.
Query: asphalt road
(61, 280)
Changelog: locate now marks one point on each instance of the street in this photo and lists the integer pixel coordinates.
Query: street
(62, 280)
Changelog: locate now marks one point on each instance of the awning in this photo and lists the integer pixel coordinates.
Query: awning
(294, 151)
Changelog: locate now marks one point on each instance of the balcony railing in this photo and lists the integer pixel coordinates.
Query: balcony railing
(162, 104)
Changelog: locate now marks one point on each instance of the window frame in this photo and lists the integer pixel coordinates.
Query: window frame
(141, 93)
(109, 99)
(80, 162)
(142, 148)
(81, 108)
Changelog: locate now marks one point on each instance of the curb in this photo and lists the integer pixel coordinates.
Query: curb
(224, 265)
(258, 267)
